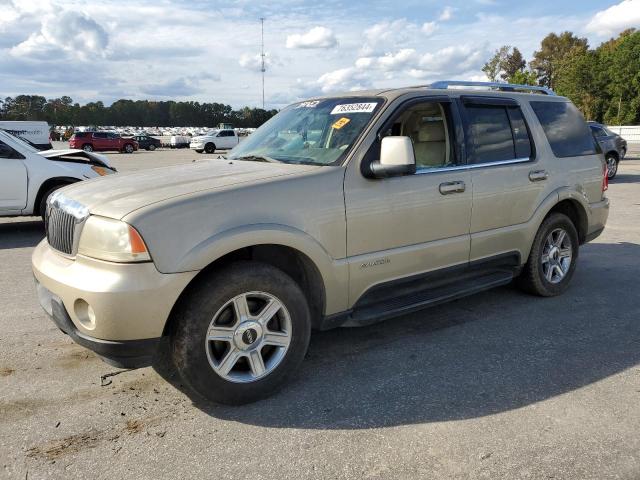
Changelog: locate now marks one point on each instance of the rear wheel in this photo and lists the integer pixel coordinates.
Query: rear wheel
(553, 257)
(612, 165)
(210, 148)
(241, 333)
(152, 147)
(87, 147)
(128, 148)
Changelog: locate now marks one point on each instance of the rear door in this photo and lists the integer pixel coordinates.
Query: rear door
(100, 141)
(13, 179)
(509, 182)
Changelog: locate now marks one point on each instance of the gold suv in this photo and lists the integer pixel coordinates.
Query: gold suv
(343, 210)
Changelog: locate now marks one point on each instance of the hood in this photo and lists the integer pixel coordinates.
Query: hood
(76, 155)
(118, 195)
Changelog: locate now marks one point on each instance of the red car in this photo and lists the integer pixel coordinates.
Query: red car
(102, 141)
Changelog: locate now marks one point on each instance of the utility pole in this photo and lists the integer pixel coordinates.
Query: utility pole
(619, 105)
(262, 69)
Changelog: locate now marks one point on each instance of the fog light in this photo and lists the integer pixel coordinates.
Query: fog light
(85, 314)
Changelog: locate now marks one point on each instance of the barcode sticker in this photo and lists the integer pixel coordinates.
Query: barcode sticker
(354, 108)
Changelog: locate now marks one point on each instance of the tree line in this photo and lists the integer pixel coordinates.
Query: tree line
(138, 113)
(603, 82)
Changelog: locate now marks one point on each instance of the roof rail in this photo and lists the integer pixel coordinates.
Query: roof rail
(506, 87)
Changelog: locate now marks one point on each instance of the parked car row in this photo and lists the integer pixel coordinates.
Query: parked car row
(613, 146)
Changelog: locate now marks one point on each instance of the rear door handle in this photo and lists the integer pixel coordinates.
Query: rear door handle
(448, 188)
(538, 175)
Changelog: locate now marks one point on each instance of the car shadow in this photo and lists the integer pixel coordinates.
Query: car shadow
(489, 353)
(625, 178)
(21, 234)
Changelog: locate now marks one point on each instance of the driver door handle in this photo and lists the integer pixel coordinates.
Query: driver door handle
(448, 188)
(538, 175)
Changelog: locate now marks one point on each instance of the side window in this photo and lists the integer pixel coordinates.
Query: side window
(520, 133)
(565, 128)
(99, 135)
(496, 133)
(597, 131)
(6, 151)
(430, 128)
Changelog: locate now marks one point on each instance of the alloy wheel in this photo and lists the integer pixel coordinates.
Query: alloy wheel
(612, 166)
(556, 255)
(248, 337)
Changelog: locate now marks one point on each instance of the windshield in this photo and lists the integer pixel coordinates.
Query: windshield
(317, 132)
(23, 143)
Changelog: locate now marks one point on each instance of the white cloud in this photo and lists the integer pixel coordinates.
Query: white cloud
(428, 28)
(446, 14)
(253, 62)
(614, 19)
(72, 32)
(317, 37)
(388, 36)
(344, 79)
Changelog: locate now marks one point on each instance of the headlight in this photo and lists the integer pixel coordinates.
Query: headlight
(102, 171)
(112, 240)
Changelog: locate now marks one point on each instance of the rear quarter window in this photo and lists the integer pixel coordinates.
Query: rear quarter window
(565, 129)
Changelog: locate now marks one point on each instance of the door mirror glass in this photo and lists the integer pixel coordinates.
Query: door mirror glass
(396, 158)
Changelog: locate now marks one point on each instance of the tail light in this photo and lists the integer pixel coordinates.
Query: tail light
(605, 178)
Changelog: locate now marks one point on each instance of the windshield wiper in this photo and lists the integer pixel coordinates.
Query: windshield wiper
(256, 158)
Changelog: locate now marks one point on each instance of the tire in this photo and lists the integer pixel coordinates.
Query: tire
(42, 208)
(612, 165)
(256, 370)
(199, 151)
(152, 147)
(128, 148)
(210, 148)
(87, 147)
(540, 277)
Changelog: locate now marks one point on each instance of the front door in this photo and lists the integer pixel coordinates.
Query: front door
(402, 226)
(13, 179)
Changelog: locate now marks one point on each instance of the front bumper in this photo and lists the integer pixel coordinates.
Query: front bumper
(128, 302)
(196, 146)
(122, 354)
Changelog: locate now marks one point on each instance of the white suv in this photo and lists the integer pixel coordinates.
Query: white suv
(29, 176)
(215, 140)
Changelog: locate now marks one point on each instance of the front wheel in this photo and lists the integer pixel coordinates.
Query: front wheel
(210, 148)
(612, 166)
(553, 257)
(87, 147)
(152, 147)
(241, 332)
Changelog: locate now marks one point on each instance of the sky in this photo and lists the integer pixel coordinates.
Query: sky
(209, 51)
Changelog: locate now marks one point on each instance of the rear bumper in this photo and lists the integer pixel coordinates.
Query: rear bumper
(123, 354)
(598, 214)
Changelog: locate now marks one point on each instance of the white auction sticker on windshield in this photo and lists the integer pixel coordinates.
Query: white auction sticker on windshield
(354, 108)
(309, 104)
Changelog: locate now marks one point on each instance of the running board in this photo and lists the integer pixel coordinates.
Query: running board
(376, 312)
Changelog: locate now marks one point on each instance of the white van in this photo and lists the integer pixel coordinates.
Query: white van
(36, 133)
(28, 176)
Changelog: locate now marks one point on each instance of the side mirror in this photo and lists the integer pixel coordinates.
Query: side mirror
(396, 158)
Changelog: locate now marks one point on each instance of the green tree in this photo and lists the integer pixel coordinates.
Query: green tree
(553, 51)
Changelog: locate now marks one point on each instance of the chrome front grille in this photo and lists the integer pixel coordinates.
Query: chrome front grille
(60, 229)
(64, 219)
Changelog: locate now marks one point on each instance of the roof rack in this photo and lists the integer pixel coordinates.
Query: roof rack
(505, 87)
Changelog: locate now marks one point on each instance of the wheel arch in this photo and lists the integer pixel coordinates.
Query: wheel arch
(50, 183)
(299, 266)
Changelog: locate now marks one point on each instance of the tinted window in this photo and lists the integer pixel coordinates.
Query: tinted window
(5, 150)
(520, 133)
(100, 135)
(565, 128)
(490, 134)
(597, 131)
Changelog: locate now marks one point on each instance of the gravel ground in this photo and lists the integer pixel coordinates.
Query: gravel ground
(498, 385)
